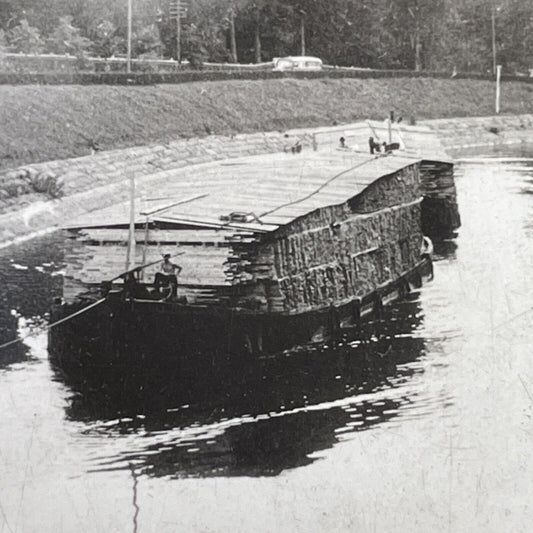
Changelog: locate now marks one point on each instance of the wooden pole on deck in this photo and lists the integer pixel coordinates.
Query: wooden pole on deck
(145, 248)
(141, 267)
(130, 260)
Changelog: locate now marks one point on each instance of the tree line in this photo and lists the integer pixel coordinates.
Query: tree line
(465, 35)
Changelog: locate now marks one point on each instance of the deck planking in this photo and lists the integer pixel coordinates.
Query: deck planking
(254, 184)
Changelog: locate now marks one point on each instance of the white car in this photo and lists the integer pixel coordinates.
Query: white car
(297, 63)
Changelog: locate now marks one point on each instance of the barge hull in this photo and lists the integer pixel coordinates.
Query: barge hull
(132, 334)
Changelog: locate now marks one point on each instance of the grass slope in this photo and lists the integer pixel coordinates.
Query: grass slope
(39, 123)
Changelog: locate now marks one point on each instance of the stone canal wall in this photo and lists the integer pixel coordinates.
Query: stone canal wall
(38, 198)
(94, 182)
(456, 135)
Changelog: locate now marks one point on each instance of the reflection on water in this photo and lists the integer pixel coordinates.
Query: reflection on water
(444, 250)
(255, 446)
(263, 416)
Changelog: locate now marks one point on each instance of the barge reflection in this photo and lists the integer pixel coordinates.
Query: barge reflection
(255, 417)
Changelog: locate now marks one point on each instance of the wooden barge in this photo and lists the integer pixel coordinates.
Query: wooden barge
(276, 251)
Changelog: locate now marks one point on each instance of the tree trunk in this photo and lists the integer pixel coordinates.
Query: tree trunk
(302, 36)
(417, 43)
(257, 42)
(414, 37)
(233, 40)
(418, 55)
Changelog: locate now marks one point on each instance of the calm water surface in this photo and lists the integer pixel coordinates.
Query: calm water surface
(422, 423)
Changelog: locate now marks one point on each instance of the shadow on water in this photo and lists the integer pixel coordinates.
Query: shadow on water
(256, 417)
(29, 278)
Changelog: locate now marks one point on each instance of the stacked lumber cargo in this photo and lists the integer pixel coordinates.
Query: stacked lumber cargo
(100, 254)
(342, 251)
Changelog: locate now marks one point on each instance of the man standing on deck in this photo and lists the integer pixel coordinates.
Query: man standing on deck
(373, 145)
(168, 275)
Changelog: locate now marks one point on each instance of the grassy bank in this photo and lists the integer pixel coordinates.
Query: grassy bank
(39, 123)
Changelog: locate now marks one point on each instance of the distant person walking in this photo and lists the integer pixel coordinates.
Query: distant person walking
(373, 145)
(292, 144)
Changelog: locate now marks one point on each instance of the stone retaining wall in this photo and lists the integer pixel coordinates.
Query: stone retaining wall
(456, 134)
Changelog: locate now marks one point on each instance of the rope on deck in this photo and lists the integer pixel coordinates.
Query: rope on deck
(318, 189)
(50, 326)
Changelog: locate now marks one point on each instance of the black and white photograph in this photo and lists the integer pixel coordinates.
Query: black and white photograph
(266, 266)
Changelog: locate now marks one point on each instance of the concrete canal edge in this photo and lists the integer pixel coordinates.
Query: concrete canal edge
(94, 182)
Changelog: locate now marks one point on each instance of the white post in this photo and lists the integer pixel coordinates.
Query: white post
(129, 35)
(498, 76)
(130, 260)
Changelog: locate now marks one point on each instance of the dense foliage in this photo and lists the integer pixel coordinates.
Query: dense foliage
(412, 34)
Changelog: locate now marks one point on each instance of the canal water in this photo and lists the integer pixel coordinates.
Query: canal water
(422, 422)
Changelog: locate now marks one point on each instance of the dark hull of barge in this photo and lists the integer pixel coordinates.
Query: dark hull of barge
(122, 337)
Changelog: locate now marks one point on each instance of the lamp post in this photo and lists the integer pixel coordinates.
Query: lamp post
(496, 69)
(178, 32)
(493, 21)
(178, 9)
